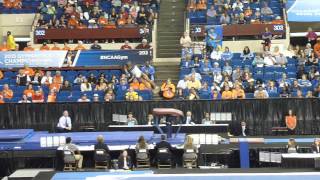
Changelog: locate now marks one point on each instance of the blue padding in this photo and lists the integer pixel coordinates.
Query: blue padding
(14, 134)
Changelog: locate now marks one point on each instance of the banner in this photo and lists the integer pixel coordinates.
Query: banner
(112, 57)
(303, 10)
(16, 59)
(214, 36)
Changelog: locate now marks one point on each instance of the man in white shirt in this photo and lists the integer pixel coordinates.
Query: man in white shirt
(64, 124)
(189, 118)
(182, 84)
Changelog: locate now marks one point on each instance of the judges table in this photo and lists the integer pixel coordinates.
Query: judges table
(299, 160)
(185, 128)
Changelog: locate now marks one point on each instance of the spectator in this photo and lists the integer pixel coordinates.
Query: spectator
(261, 93)
(95, 98)
(309, 94)
(83, 98)
(168, 89)
(266, 37)
(179, 95)
(216, 54)
(22, 79)
(225, 19)
(194, 83)
(79, 79)
(312, 60)
(185, 40)
(24, 99)
(237, 6)
(44, 47)
(281, 60)
(52, 96)
(29, 92)
(246, 54)
(182, 84)
(258, 61)
(149, 70)
(227, 93)
(144, 45)
(28, 47)
(304, 82)
(250, 88)
(55, 47)
(85, 86)
(201, 5)
(131, 95)
(238, 92)
(101, 86)
(79, 46)
(227, 69)
(95, 46)
(193, 95)
(285, 92)
(217, 77)
(206, 68)
(66, 86)
(216, 69)
(28, 71)
(299, 94)
(92, 79)
(226, 55)
(6, 92)
(237, 73)
(215, 94)
(269, 60)
(195, 74)
(271, 88)
(311, 36)
(266, 10)
(187, 63)
(38, 96)
(11, 44)
(47, 79)
(126, 45)
(316, 47)
(211, 13)
(308, 50)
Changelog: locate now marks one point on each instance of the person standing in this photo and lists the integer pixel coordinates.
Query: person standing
(291, 122)
(11, 44)
(311, 37)
(64, 124)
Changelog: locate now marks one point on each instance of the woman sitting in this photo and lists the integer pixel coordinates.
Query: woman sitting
(292, 146)
(168, 89)
(141, 149)
(190, 150)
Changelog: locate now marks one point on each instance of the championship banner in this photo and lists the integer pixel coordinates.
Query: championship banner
(303, 10)
(112, 57)
(214, 35)
(17, 59)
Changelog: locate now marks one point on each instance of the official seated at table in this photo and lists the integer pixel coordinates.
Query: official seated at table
(64, 124)
(150, 119)
(316, 146)
(190, 150)
(292, 146)
(189, 118)
(131, 120)
(101, 146)
(162, 156)
(142, 149)
(124, 161)
(75, 150)
(206, 119)
(241, 130)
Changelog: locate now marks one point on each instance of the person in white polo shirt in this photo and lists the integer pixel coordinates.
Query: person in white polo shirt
(64, 124)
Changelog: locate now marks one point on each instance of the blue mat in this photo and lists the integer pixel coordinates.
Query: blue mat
(141, 175)
(14, 134)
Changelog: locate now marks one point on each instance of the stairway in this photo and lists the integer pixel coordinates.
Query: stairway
(170, 28)
(165, 70)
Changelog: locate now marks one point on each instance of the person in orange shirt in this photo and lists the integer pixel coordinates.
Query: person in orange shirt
(81, 26)
(44, 47)
(29, 92)
(73, 22)
(52, 97)
(58, 78)
(12, 4)
(4, 46)
(28, 48)
(55, 47)
(1, 75)
(7, 92)
(192, 4)
(102, 21)
(227, 94)
(202, 5)
(38, 97)
(79, 46)
(238, 92)
(316, 48)
(1, 99)
(28, 71)
(121, 20)
(66, 47)
(168, 89)
(135, 84)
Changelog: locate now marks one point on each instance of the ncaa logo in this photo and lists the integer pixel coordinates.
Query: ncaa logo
(40, 32)
(278, 27)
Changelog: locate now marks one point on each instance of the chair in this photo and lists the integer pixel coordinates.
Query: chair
(143, 160)
(190, 158)
(101, 158)
(163, 158)
(69, 159)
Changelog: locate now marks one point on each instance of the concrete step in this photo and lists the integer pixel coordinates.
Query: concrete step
(168, 55)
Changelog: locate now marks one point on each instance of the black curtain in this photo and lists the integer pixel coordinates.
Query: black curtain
(260, 115)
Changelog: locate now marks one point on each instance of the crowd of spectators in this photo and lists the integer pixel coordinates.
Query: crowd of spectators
(236, 11)
(35, 85)
(97, 13)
